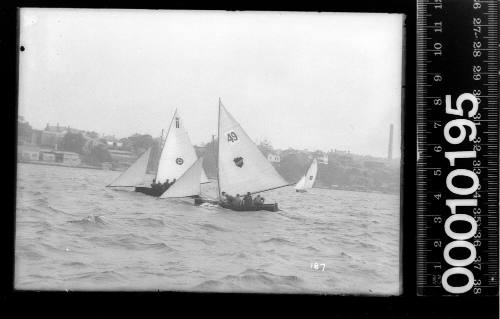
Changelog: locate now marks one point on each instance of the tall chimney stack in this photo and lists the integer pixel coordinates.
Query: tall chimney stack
(389, 155)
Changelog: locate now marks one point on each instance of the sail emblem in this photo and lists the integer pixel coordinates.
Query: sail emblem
(238, 161)
(311, 177)
(179, 161)
(176, 122)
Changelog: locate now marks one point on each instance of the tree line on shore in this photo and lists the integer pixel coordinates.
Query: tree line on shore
(98, 153)
(340, 170)
(337, 170)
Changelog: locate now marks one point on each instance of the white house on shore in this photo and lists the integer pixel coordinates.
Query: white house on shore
(323, 159)
(273, 158)
(31, 153)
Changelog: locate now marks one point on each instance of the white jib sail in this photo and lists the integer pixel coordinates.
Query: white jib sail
(241, 166)
(307, 181)
(188, 184)
(178, 153)
(134, 175)
(300, 184)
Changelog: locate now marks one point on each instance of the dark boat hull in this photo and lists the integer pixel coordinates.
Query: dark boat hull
(149, 191)
(268, 207)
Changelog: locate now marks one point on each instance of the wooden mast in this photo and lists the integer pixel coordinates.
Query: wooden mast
(217, 162)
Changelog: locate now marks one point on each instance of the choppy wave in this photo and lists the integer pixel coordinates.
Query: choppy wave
(73, 233)
(213, 227)
(148, 222)
(129, 241)
(254, 280)
(106, 275)
(75, 264)
(278, 240)
(89, 220)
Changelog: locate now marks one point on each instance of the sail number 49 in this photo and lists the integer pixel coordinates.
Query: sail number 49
(231, 136)
(466, 129)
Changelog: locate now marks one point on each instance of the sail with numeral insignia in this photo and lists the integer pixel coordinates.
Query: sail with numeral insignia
(242, 167)
(307, 181)
(176, 157)
(188, 184)
(178, 154)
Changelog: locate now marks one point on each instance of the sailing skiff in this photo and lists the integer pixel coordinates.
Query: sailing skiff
(178, 161)
(241, 167)
(307, 180)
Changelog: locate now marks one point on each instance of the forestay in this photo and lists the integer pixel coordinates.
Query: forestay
(242, 167)
(307, 181)
(178, 153)
(188, 184)
(134, 175)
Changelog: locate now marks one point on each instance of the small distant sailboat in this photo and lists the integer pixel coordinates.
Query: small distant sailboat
(177, 157)
(307, 180)
(241, 167)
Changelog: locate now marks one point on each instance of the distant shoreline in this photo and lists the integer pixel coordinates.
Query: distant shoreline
(63, 165)
(352, 189)
(342, 188)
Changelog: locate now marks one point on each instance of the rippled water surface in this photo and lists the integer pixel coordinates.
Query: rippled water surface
(73, 233)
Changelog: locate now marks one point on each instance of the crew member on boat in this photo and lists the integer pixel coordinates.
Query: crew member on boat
(256, 200)
(247, 200)
(225, 198)
(262, 200)
(165, 186)
(237, 201)
(156, 186)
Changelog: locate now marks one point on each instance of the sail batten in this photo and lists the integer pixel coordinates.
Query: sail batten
(242, 167)
(177, 154)
(134, 175)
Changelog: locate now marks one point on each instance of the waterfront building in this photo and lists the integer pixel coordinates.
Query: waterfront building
(47, 156)
(28, 153)
(122, 158)
(70, 158)
(274, 158)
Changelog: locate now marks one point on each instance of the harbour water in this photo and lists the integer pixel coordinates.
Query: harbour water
(73, 233)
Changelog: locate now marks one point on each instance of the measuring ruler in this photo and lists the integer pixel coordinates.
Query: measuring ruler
(457, 147)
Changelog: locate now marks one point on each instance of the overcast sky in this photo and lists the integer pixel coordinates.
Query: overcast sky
(302, 80)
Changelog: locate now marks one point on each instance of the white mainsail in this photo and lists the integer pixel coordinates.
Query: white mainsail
(307, 181)
(188, 184)
(241, 166)
(178, 153)
(134, 175)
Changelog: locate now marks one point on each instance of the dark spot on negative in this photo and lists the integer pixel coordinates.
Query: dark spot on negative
(22, 48)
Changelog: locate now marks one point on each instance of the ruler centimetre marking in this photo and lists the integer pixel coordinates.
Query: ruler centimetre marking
(457, 147)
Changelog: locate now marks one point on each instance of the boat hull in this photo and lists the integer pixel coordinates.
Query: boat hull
(268, 207)
(149, 191)
(301, 191)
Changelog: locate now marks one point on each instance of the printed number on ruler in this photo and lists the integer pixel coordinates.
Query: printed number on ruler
(457, 141)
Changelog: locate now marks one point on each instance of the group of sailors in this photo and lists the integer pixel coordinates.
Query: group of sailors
(242, 201)
(161, 187)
